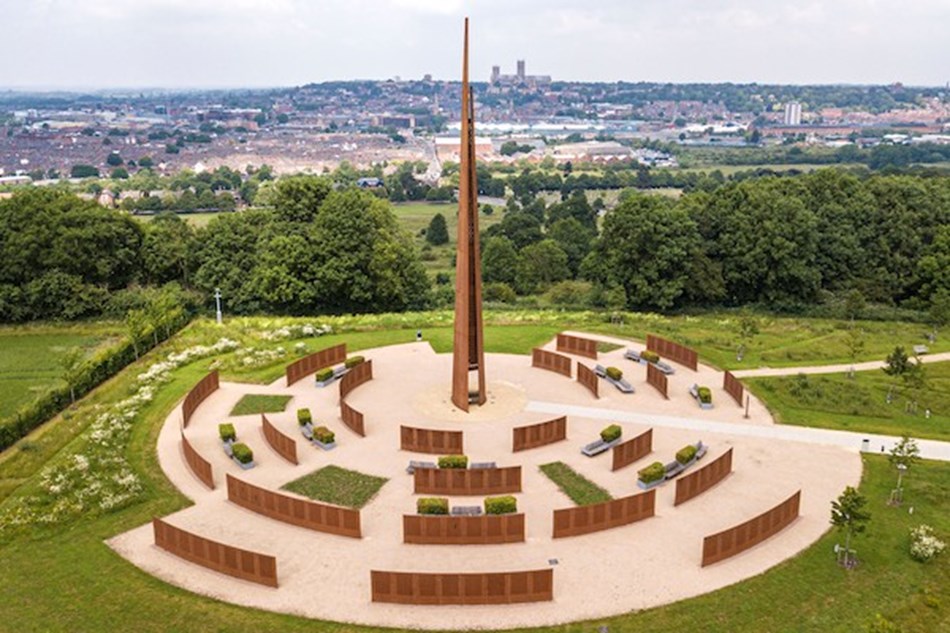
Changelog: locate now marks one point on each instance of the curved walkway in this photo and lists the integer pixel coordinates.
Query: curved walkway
(829, 369)
(929, 449)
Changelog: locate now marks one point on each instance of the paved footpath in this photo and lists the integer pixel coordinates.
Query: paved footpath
(829, 369)
(929, 449)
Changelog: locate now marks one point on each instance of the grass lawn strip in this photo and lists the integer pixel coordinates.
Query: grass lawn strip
(338, 486)
(257, 403)
(581, 490)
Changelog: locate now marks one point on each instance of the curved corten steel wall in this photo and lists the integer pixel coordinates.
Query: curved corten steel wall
(657, 379)
(490, 588)
(226, 559)
(205, 387)
(722, 545)
(284, 445)
(587, 377)
(467, 481)
(673, 351)
(630, 451)
(557, 363)
(200, 466)
(430, 441)
(577, 345)
(300, 512)
(318, 360)
(703, 479)
(486, 529)
(352, 418)
(350, 381)
(535, 435)
(604, 516)
(733, 387)
(356, 377)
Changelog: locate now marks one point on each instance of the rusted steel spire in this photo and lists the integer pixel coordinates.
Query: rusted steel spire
(469, 349)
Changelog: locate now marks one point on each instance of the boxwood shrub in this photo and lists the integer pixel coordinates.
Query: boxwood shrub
(614, 373)
(324, 374)
(304, 417)
(611, 433)
(705, 395)
(324, 435)
(227, 432)
(453, 461)
(686, 453)
(501, 505)
(650, 357)
(432, 505)
(353, 361)
(654, 472)
(243, 453)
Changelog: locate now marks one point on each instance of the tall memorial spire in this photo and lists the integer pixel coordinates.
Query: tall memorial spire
(468, 352)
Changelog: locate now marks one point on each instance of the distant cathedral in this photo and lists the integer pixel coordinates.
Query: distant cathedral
(501, 83)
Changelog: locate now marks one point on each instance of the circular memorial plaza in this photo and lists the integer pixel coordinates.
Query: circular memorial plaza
(553, 562)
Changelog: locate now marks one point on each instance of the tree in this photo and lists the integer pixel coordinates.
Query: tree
(114, 159)
(645, 247)
(437, 232)
(136, 327)
(904, 454)
(855, 343)
(849, 516)
(748, 328)
(297, 199)
(575, 239)
(146, 162)
(71, 363)
(499, 260)
(119, 173)
(83, 171)
(854, 304)
(540, 265)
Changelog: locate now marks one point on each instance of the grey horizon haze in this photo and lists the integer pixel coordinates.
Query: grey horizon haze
(69, 44)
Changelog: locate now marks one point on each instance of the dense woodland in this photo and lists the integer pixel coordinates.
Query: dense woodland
(784, 243)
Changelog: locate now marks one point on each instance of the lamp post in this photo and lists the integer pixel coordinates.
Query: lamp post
(217, 305)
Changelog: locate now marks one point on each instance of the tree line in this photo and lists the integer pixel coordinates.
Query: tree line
(784, 243)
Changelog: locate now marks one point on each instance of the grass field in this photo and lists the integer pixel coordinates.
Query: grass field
(580, 489)
(415, 216)
(194, 219)
(257, 403)
(835, 401)
(338, 486)
(61, 577)
(32, 356)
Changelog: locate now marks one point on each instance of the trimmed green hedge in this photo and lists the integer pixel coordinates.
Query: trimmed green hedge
(325, 374)
(654, 472)
(432, 505)
(501, 505)
(243, 453)
(227, 432)
(705, 395)
(611, 433)
(103, 365)
(353, 361)
(324, 435)
(686, 453)
(613, 373)
(453, 461)
(304, 417)
(650, 357)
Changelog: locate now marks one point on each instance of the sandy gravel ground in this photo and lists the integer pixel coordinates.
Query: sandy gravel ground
(633, 567)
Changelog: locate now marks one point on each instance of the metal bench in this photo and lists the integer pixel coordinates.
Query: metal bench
(600, 371)
(476, 465)
(466, 511)
(600, 446)
(411, 468)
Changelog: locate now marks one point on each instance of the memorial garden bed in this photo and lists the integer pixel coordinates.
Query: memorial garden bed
(260, 403)
(332, 484)
(581, 490)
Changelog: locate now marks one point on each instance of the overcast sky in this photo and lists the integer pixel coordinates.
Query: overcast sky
(236, 43)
